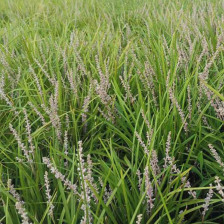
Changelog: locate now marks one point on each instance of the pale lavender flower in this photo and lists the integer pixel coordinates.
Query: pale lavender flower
(139, 219)
(142, 143)
(187, 184)
(2, 82)
(174, 101)
(215, 103)
(4, 62)
(204, 119)
(205, 73)
(72, 81)
(128, 94)
(48, 194)
(89, 178)
(146, 78)
(28, 129)
(52, 80)
(18, 76)
(145, 119)
(139, 179)
(149, 132)
(101, 89)
(168, 160)
(5, 97)
(66, 147)
(103, 86)
(155, 163)
(85, 194)
(109, 116)
(66, 140)
(149, 190)
(189, 102)
(37, 83)
(149, 73)
(219, 187)
(107, 192)
(13, 191)
(216, 156)
(205, 50)
(19, 203)
(53, 114)
(60, 176)
(42, 53)
(207, 200)
(21, 210)
(183, 58)
(85, 108)
(149, 135)
(21, 145)
(166, 48)
(81, 64)
(56, 92)
(38, 113)
(181, 113)
(64, 57)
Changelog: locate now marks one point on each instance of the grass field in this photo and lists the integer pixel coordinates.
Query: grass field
(112, 111)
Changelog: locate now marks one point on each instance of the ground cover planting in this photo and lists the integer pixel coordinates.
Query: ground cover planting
(112, 111)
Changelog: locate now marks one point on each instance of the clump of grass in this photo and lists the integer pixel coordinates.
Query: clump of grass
(111, 111)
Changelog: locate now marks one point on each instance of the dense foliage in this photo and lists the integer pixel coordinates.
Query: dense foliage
(111, 111)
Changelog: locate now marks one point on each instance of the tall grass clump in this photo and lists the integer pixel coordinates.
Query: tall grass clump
(112, 111)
